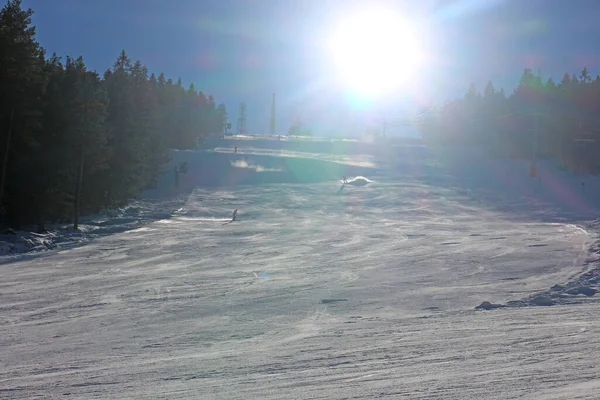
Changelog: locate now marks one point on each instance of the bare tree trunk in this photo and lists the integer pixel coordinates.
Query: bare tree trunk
(41, 222)
(78, 190)
(79, 180)
(5, 161)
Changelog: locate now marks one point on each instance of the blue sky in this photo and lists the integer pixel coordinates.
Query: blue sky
(246, 50)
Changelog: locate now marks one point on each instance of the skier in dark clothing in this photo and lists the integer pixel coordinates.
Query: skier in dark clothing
(233, 217)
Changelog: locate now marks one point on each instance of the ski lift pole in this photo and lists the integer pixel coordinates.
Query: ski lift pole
(536, 128)
(536, 134)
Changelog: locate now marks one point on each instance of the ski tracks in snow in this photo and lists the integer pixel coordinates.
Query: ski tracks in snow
(313, 295)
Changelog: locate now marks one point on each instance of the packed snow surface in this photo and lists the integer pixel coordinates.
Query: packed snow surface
(357, 181)
(314, 294)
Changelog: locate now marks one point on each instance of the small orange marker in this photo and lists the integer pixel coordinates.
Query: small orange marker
(533, 170)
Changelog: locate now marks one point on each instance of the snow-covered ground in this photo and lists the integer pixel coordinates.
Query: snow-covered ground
(315, 292)
(60, 236)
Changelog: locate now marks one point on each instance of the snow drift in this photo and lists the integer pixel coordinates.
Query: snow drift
(357, 181)
(366, 295)
(257, 168)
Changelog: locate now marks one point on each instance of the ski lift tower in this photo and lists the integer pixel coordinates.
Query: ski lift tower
(241, 122)
(273, 116)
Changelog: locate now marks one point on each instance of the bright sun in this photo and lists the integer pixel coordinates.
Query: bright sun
(374, 52)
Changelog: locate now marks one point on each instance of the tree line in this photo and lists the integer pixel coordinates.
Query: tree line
(540, 119)
(75, 142)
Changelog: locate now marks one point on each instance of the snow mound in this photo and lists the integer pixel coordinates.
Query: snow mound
(257, 168)
(16, 242)
(358, 181)
(60, 236)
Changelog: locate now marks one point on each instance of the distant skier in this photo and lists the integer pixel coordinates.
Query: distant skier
(356, 181)
(233, 217)
(344, 182)
(235, 150)
(183, 167)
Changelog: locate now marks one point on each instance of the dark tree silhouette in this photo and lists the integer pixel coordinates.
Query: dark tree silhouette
(73, 142)
(538, 120)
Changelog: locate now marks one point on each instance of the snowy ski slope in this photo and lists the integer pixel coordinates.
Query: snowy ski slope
(314, 294)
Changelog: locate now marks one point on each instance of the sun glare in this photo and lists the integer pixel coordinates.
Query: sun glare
(374, 52)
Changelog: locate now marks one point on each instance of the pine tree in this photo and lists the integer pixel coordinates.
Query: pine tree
(585, 77)
(560, 114)
(221, 118)
(22, 80)
(213, 118)
(489, 91)
(121, 181)
(87, 136)
(157, 148)
(73, 142)
(48, 182)
(471, 95)
(203, 114)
